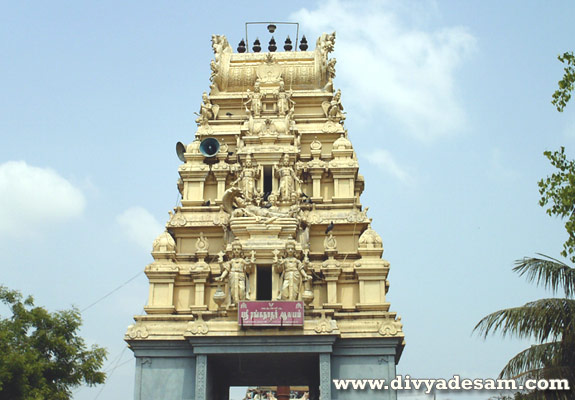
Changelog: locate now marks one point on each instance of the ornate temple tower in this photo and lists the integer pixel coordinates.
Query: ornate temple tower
(269, 272)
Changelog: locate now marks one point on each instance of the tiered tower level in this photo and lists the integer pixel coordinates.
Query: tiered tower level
(273, 214)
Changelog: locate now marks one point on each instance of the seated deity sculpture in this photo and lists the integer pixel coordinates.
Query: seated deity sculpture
(208, 111)
(334, 109)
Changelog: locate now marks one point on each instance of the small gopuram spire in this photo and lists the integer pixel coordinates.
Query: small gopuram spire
(269, 272)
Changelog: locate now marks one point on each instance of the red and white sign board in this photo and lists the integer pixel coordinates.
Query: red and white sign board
(270, 313)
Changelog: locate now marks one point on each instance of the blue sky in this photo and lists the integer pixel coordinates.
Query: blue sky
(448, 108)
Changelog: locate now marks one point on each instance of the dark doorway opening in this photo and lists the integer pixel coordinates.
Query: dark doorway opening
(268, 180)
(299, 371)
(264, 283)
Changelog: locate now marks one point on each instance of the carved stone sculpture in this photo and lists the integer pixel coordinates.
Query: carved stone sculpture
(325, 44)
(247, 179)
(285, 103)
(237, 270)
(254, 101)
(220, 45)
(333, 109)
(235, 204)
(292, 272)
(287, 176)
(207, 111)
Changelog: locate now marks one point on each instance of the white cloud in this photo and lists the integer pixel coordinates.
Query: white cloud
(32, 198)
(140, 226)
(386, 65)
(385, 161)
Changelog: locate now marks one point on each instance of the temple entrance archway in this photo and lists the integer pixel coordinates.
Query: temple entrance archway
(256, 370)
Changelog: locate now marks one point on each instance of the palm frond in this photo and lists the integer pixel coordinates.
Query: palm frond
(529, 363)
(549, 272)
(543, 319)
(544, 395)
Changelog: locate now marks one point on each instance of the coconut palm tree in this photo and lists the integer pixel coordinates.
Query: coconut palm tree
(551, 322)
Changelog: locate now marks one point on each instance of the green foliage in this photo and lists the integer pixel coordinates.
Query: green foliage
(550, 321)
(558, 191)
(41, 355)
(567, 84)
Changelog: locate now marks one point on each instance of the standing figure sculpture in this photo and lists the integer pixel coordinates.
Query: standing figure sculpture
(247, 179)
(254, 101)
(237, 269)
(287, 191)
(292, 272)
(285, 103)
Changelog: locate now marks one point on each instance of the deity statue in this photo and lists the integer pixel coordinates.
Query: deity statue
(285, 103)
(220, 45)
(330, 70)
(208, 111)
(289, 121)
(334, 109)
(247, 179)
(234, 203)
(287, 190)
(254, 101)
(292, 272)
(214, 69)
(237, 269)
(325, 44)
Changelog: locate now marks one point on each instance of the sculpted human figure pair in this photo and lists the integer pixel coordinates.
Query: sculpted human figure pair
(248, 176)
(238, 268)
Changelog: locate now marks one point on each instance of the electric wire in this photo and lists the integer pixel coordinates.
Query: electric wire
(111, 372)
(112, 292)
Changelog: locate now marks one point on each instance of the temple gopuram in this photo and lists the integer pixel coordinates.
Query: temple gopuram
(268, 272)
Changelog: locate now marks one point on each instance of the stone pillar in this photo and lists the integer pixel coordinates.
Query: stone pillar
(163, 371)
(200, 280)
(316, 186)
(316, 167)
(325, 376)
(201, 377)
(200, 273)
(331, 270)
(221, 176)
